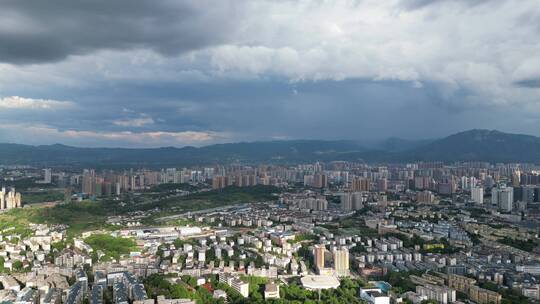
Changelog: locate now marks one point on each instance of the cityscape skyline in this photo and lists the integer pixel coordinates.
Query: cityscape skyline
(335, 232)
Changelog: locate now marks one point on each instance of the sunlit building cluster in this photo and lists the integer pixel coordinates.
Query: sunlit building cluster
(10, 199)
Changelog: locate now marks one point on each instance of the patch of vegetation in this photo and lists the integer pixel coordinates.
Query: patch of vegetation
(512, 296)
(42, 196)
(477, 212)
(79, 216)
(347, 292)
(2, 269)
(173, 187)
(400, 281)
(290, 294)
(158, 285)
(256, 286)
(305, 254)
(303, 237)
(358, 249)
(24, 184)
(351, 226)
(12, 223)
(475, 238)
(489, 286)
(526, 245)
(87, 215)
(206, 199)
(113, 247)
(226, 196)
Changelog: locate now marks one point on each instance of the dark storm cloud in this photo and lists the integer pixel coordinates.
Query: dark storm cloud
(531, 83)
(263, 109)
(43, 31)
(264, 69)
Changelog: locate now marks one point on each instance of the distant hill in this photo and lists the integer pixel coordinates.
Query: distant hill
(395, 144)
(472, 145)
(479, 145)
(253, 152)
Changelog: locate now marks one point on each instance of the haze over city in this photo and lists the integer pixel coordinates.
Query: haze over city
(177, 73)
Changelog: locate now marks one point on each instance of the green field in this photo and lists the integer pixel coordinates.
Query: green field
(218, 198)
(351, 226)
(113, 247)
(525, 245)
(87, 215)
(78, 216)
(42, 196)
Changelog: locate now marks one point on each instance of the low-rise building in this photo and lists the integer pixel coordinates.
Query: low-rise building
(374, 296)
(271, 291)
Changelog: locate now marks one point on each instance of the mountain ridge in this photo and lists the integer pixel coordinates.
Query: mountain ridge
(470, 145)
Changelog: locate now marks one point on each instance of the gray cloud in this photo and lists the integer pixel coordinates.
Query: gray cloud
(200, 71)
(416, 4)
(528, 83)
(42, 31)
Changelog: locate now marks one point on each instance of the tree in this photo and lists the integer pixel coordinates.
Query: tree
(191, 281)
(18, 265)
(2, 261)
(179, 291)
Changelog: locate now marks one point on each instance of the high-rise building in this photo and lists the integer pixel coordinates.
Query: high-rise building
(423, 182)
(47, 176)
(382, 184)
(352, 201)
(169, 176)
(89, 184)
(516, 178)
(467, 183)
(359, 184)
(447, 185)
(503, 198)
(477, 195)
(425, 197)
(220, 182)
(529, 193)
(346, 202)
(341, 261)
(320, 181)
(313, 203)
(9, 200)
(318, 254)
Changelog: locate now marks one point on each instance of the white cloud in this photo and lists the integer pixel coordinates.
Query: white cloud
(143, 138)
(483, 54)
(41, 134)
(17, 102)
(478, 48)
(481, 48)
(134, 122)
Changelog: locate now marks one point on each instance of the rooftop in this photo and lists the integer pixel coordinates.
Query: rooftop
(320, 282)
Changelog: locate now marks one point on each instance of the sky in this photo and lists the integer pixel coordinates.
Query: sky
(152, 73)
